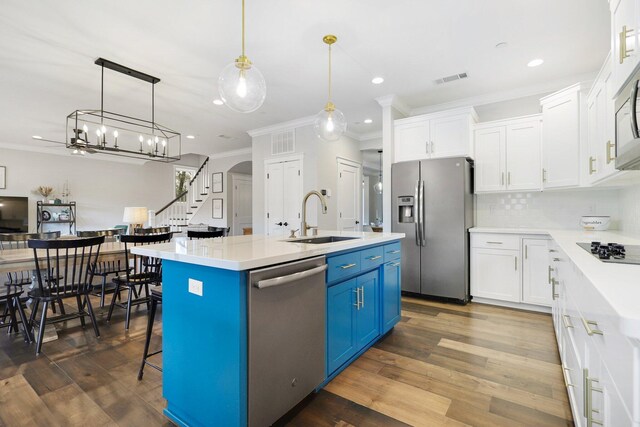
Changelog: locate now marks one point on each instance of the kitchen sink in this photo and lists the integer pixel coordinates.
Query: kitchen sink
(322, 239)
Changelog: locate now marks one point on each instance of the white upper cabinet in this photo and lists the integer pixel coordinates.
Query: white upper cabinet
(561, 138)
(600, 159)
(432, 136)
(523, 155)
(624, 29)
(508, 155)
(490, 159)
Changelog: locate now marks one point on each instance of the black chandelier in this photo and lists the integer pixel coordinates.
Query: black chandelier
(100, 131)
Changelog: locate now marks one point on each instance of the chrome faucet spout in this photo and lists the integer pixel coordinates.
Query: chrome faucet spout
(303, 226)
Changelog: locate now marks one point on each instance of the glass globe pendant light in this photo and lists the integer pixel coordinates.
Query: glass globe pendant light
(330, 123)
(378, 186)
(241, 84)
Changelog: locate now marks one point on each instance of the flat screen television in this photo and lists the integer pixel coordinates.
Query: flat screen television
(14, 214)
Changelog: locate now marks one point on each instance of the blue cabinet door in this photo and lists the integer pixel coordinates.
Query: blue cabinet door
(341, 323)
(368, 320)
(391, 300)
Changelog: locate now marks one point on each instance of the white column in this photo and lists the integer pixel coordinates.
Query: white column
(392, 109)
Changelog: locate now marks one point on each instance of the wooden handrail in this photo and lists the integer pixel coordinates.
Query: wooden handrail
(198, 172)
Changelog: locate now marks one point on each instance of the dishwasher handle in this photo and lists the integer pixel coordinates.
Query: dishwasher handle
(283, 280)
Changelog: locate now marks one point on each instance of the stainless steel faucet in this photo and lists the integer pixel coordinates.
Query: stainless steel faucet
(303, 226)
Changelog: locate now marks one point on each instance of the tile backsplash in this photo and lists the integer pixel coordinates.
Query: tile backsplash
(557, 209)
(630, 210)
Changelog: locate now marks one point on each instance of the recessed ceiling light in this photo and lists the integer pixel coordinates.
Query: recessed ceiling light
(377, 80)
(501, 45)
(368, 121)
(218, 102)
(36, 137)
(190, 137)
(535, 62)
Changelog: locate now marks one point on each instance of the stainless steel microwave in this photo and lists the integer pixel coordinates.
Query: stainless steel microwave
(627, 131)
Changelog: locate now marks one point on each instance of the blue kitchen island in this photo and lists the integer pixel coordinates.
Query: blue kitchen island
(247, 334)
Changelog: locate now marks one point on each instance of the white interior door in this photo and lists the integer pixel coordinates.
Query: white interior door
(242, 193)
(292, 195)
(348, 197)
(274, 198)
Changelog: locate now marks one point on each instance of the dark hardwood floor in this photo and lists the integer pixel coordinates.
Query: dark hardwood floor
(442, 365)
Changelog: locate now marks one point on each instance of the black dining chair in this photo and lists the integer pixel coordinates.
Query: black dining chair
(105, 268)
(145, 271)
(10, 296)
(204, 234)
(156, 299)
(71, 261)
(13, 241)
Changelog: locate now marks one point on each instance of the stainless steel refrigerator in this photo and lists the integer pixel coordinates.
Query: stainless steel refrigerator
(433, 205)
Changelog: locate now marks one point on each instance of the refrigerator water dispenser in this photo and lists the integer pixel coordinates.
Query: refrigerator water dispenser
(405, 209)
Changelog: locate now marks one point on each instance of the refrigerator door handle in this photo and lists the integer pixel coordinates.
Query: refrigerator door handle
(417, 214)
(423, 238)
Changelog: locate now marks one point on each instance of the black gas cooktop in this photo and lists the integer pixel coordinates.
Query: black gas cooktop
(613, 252)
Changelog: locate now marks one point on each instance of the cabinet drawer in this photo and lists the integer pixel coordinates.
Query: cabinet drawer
(495, 241)
(371, 258)
(392, 252)
(343, 266)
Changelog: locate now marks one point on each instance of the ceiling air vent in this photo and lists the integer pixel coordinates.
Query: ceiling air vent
(451, 78)
(283, 142)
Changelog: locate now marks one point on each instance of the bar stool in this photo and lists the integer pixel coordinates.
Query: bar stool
(204, 234)
(156, 298)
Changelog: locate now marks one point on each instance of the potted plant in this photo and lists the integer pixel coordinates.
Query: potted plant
(45, 192)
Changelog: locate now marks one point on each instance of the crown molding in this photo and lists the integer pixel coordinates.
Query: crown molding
(371, 135)
(493, 97)
(279, 127)
(232, 153)
(395, 102)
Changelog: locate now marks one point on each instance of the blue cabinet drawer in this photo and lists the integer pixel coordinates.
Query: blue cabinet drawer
(371, 258)
(343, 266)
(392, 251)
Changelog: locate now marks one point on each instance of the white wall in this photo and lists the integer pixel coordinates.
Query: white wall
(557, 209)
(220, 163)
(320, 171)
(101, 188)
(630, 210)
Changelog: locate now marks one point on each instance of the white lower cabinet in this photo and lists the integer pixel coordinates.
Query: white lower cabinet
(601, 367)
(510, 267)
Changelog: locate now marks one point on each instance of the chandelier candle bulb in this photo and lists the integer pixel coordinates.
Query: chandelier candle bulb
(115, 137)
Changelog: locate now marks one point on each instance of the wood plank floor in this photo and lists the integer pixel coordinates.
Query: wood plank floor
(443, 364)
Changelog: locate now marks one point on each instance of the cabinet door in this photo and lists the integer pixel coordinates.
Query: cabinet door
(450, 136)
(524, 163)
(594, 132)
(535, 281)
(607, 146)
(291, 195)
(624, 49)
(411, 141)
(368, 320)
(561, 141)
(490, 159)
(391, 302)
(274, 199)
(495, 274)
(341, 323)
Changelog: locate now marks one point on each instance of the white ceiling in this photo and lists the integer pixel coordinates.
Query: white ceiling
(47, 49)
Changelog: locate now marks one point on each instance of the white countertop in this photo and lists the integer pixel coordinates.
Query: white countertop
(247, 252)
(619, 284)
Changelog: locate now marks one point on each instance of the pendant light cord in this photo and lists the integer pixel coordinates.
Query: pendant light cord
(242, 28)
(329, 72)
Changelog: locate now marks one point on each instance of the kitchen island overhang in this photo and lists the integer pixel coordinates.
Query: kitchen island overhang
(205, 313)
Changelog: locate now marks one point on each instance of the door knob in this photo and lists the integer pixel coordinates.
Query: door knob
(279, 223)
(357, 222)
(285, 224)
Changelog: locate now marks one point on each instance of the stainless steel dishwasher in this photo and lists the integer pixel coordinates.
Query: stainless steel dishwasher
(286, 321)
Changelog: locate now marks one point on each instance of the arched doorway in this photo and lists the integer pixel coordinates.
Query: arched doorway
(240, 197)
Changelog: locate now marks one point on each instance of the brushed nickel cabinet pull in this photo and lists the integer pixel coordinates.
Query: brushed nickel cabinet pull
(588, 327)
(393, 252)
(544, 175)
(357, 304)
(373, 258)
(567, 377)
(588, 399)
(502, 179)
(610, 157)
(346, 266)
(495, 243)
(591, 168)
(508, 178)
(565, 321)
(515, 264)
(554, 295)
(362, 297)
(624, 52)
(550, 270)
(526, 251)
